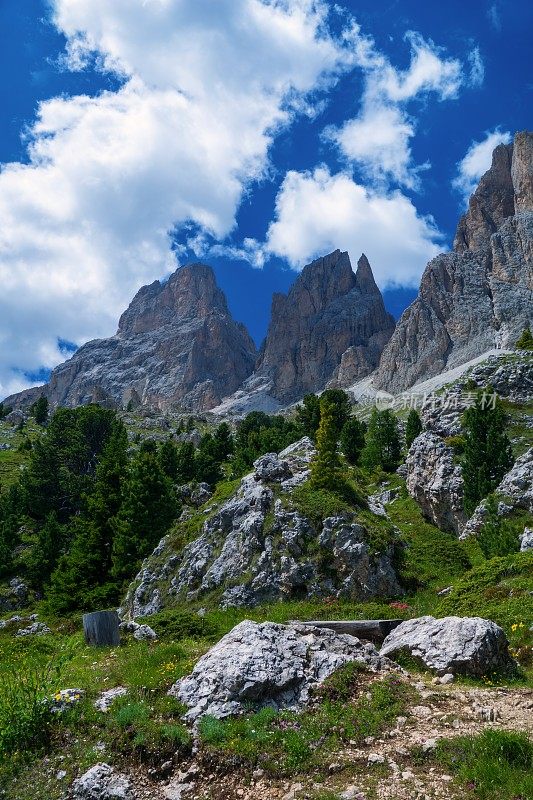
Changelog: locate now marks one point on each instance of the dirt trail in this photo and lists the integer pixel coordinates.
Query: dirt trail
(381, 769)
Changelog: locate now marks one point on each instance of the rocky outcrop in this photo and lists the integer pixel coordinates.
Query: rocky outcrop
(15, 596)
(526, 540)
(259, 547)
(101, 782)
(515, 491)
(479, 296)
(330, 327)
(436, 482)
(457, 645)
(267, 664)
(177, 346)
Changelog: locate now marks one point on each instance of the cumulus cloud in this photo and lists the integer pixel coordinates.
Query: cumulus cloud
(378, 139)
(477, 161)
(317, 212)
(205, 88)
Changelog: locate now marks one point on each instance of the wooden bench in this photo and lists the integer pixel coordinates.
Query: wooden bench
(375, 630)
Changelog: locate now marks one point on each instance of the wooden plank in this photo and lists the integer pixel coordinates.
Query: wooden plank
(101, 628)
(373, 629)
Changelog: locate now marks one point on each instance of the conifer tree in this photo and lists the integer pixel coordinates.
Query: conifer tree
(185, 463)
(326, 466)
(224, 441)
(39, 409)
(208, 461)
(44, 551)
(413, 427)
(308, 415)
(383, 448)
(487, 454)
(525, 342)
(168, 459)
(84, 572)
(149, 506)
(342, 407)
(353, 439)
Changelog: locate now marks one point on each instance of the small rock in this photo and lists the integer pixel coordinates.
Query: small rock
(105, 700)
(448, 678)
(429, 745)
(61, 774)
(376, 758)
(101, 782)
(352, 793)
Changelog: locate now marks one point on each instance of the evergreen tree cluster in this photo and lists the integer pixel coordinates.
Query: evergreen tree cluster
(84, 512)
(487, 453)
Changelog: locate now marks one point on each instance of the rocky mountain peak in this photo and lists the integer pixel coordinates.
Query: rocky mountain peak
(177, 346)
(364, 277)
(490, 205)
(522, 171)
(321, 281)
(191, 292)
(331, 318)
(479, 296)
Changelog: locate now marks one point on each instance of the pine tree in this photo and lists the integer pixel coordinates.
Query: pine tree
(413, 427)
(84, 572)
(383, 448)
(342, 407)
(149, 506)
(168, 459)
(224, 441)
(185, 464)
(525, 341)
(208, 461)
(39, 409)
(308, 415)
(326, 466)
(353, 439)
(45, 551)
(487, 452)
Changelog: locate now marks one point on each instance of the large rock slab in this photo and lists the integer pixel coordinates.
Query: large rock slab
(268, 664)
(458, 645)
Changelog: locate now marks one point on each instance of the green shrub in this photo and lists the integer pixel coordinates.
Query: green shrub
(176, 624)
(26, 687)
(498, 765)
(497, 589)
(497, 536)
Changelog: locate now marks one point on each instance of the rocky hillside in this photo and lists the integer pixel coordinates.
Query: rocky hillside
(177, 345)
(261, 546)
(480, 295)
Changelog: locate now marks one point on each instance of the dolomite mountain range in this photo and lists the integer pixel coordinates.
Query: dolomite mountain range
(178, 347)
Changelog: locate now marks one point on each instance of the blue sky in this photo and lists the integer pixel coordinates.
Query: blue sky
(251, 134)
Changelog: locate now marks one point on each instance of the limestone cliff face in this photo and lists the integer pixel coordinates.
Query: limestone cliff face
(330, 327)
(480, 295)
(177, 345)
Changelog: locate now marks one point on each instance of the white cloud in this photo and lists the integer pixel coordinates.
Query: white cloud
(477, 161)
(378, 139)
(317, 212)
(493, 14)
(86, 221)
(477, 67)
